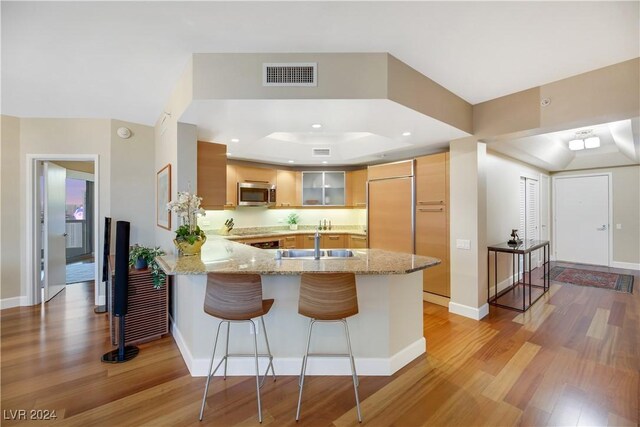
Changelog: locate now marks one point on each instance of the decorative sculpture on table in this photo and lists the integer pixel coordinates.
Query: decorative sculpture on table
(515, 240)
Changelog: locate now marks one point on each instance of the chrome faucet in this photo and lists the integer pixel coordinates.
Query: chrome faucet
(316, 245)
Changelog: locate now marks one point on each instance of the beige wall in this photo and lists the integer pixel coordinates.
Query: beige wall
(503, 204)
(468, 220)
(126, 182)
(626, 211)
(133, 184)
(11, 245)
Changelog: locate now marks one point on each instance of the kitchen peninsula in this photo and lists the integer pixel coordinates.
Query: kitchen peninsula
(386, 335)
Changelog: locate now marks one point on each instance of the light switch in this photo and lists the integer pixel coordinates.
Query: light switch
(463, 244)
(618, 226)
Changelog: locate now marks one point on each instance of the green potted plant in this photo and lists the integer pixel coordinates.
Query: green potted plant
(141, 257)
(293, 219)
(189, 237)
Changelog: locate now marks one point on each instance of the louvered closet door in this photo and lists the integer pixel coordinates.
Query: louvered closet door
(530, 213)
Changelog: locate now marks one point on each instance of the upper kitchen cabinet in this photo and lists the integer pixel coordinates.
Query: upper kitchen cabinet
(323, 188)
(288, 188)
(212, 174)
(232, 187)
(357, 188)
(431, 179)
(253, 174)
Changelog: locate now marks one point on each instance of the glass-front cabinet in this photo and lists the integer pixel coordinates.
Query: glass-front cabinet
(323, 188)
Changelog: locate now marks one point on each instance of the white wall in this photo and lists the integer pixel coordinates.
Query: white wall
(262, 217)
(503, 201)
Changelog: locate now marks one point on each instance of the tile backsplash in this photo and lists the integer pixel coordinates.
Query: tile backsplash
(263, 217)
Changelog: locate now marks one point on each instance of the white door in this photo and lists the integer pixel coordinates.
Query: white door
(582, 219)
(55, 262)
(530, 215)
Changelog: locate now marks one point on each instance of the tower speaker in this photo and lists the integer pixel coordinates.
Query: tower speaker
(120, 295)
(106, 251)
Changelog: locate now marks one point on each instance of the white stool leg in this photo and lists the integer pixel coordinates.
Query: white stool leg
(226, 351)
(213, 354)
(255, 352)
(304, 369)
(356, 382)
(266, 339)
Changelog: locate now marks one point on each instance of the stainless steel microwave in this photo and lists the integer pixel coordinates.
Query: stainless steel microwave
(256, 194)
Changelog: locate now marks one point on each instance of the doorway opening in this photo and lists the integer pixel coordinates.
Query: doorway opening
(62, 203)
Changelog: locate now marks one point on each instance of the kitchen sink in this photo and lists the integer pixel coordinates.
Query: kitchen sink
(308, 253)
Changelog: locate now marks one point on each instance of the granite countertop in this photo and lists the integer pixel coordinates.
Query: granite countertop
(226, 256)
(256, 233)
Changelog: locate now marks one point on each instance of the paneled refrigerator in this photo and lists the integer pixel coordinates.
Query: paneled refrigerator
(390, 202)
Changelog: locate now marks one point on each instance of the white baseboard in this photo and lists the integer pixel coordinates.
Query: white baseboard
(100, 300)
(467, 311)
(13, 302)
(626, 265)
(504, 284)
(435, 299)
(291, 365)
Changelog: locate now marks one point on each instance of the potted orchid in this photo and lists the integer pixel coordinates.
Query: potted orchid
(189, 237)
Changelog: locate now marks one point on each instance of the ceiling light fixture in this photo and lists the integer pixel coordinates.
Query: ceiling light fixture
(576, 144)
(584, 139)
(592, 142)
(235, 140)
(406, 133)
(229, 154)
(291, 161)
(316, 126)
(324, 162)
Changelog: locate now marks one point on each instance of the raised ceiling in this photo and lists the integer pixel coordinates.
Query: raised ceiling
(356, 131)
(122, 59)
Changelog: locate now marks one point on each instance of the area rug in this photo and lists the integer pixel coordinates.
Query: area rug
(596, 279)
(80, 272)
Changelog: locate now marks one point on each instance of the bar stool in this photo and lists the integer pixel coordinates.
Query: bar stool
(328, 297)
(237, 298)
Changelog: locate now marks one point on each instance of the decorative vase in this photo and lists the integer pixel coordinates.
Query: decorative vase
(141, 264)
(188, 249)
(293, 226)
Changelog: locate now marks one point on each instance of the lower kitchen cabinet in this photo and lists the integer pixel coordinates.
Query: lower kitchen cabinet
(357, 241)
(307, 241)
(289, 242)
(333, 241)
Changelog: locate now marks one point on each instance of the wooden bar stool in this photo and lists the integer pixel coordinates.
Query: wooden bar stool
(328, 297)
(237, 298)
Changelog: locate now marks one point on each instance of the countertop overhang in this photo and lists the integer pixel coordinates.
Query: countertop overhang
(226, 256)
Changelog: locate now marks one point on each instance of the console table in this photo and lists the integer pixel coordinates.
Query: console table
(510, 296)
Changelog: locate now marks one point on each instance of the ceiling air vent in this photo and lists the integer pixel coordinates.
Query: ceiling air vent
(290, 74)
(321, 152)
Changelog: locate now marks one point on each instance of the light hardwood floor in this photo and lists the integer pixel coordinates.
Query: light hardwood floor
(572, 359)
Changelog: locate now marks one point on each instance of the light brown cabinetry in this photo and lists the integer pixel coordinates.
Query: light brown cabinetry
(327, 241)
(232, 187)
(253, 174)
(356, 183)
(357, 242)
(432, 219)
(288, 192)
(289, 242)
(212, 174)
(332, 241)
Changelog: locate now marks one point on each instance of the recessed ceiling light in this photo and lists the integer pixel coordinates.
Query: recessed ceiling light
(406, 133)
(235, 140)
(228, 154)
(324, 162)
(316, 126)
(291, 161)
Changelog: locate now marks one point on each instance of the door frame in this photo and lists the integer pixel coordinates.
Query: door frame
(32, 276)
(609, 176)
